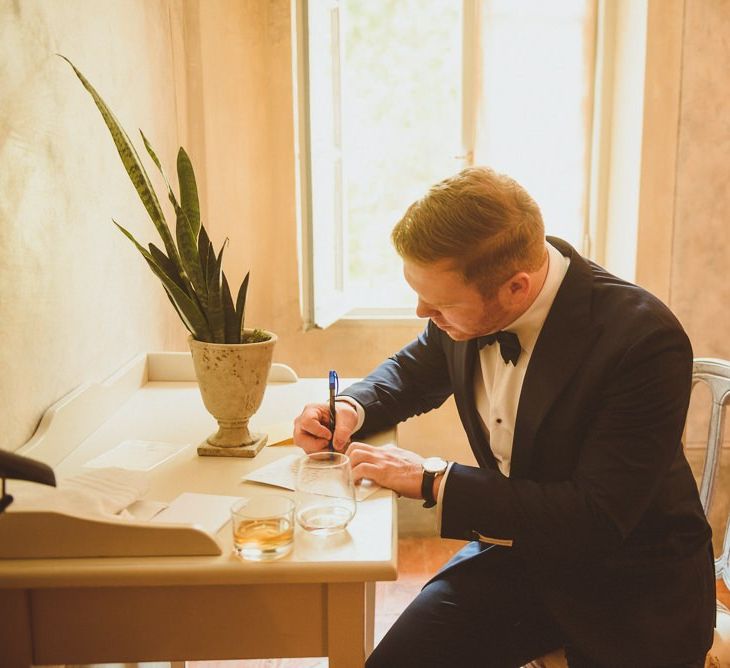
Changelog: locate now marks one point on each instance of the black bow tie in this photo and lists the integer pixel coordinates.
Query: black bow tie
(509, 345)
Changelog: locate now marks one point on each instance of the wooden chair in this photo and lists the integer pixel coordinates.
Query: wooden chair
(715, 374)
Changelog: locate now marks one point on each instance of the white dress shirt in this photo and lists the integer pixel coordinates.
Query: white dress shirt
(497, 386)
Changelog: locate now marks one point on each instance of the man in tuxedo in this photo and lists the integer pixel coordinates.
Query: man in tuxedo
(584, 521)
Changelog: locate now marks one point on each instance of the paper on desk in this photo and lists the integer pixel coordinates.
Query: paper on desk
(136, 455)
(102, 492)
(209, 511)
(143, 510)
(283, 473)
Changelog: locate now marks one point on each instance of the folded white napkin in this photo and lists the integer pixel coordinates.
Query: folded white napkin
(101, 492)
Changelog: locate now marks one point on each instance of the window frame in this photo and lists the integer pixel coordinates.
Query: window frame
(603, 179)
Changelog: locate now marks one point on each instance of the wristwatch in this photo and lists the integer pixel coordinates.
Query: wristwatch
(432, 467)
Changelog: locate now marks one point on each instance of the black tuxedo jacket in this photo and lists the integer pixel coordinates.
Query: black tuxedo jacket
(600, 505)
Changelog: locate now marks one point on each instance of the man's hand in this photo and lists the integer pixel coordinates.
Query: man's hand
(311, 428)
(389, 466)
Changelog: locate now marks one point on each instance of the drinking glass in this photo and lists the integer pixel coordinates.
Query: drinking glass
(263, 527)
(325, 493)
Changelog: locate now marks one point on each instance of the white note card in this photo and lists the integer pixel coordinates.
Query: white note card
(283, 473)
(280, 473)
(136, 455)
(208, 511)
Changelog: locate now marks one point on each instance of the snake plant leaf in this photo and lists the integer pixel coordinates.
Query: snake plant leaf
(210, 260)
(130, 236)
(180, 314)
(188, 310)
(156, 160)
(133, 166)
(188, 246)
(171, 270)
(205, 249)
(188, 190)
(210, 268)
(241, 306)
(186, 241)
(167, 265)
(216, 315)
(233, 335)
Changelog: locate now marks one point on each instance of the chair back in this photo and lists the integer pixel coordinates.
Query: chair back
(715, 374)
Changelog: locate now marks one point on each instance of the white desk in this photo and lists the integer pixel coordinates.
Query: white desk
(317, 601)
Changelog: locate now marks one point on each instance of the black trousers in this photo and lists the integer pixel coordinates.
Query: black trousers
(462, 619)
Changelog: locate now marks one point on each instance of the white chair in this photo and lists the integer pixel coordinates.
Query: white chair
(715, 373)
(281, 373)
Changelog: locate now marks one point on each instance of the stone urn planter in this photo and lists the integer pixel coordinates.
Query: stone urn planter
(232, 379)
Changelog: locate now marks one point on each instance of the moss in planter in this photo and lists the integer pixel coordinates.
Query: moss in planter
(257, 336)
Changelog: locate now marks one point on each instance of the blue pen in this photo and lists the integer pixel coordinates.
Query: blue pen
(334, 386)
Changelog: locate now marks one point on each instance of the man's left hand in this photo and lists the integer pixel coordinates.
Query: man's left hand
(389, 466)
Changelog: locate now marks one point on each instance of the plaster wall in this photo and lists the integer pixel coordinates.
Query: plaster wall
(76, 299)
(699, 290)
(684, 239)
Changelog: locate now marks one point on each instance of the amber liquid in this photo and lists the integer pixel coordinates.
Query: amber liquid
(263, 539)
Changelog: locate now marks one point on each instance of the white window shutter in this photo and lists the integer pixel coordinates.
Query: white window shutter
(322, 203)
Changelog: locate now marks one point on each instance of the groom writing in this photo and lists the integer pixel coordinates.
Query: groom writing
(583, 519)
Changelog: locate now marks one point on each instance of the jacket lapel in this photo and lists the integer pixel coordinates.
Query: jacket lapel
(564, 340)
(465, 361)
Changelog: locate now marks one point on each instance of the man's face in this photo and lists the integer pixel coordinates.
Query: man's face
(455, 306)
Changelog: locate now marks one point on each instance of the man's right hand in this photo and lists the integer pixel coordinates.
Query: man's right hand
(311, 428)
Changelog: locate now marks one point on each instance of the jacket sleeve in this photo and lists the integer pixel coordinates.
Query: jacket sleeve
(410, 382)
(622, 466)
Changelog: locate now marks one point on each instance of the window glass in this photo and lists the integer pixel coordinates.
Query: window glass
(401, 122)
(420, 88)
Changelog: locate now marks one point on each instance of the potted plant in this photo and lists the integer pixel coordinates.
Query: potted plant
(231, 362)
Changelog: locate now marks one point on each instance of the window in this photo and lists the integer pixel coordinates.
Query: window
(397, 95)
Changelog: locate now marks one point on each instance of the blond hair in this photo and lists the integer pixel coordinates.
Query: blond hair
(484, 221)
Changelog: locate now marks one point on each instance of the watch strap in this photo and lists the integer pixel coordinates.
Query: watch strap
(427, 489)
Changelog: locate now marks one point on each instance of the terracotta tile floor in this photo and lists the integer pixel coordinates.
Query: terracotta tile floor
(418, 559)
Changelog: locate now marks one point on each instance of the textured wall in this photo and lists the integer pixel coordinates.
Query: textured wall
(687, 236)
(700, 291)
(76, 300)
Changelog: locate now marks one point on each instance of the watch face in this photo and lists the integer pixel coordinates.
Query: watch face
(434, 465)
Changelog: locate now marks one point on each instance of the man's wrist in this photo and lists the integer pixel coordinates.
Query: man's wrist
(437, 485)
(433, 469)
(356, 405)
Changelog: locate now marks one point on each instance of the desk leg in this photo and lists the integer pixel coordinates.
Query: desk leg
(350, 622)
(369, 618)
(16, 645)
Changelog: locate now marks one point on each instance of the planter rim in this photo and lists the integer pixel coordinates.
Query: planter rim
(273, 338)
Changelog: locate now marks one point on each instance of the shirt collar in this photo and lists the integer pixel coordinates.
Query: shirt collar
(528, 325)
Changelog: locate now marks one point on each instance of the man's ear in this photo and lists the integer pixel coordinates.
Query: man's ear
(516, 288)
